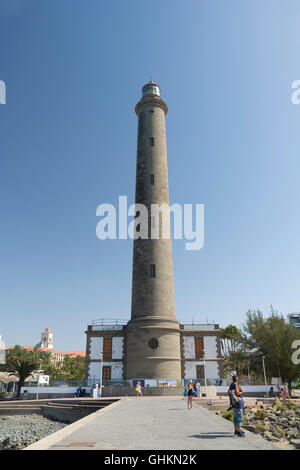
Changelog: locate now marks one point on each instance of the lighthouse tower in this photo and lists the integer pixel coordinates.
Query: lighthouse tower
(153, 334)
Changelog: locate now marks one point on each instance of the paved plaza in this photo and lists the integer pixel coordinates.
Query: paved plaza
(156, 423)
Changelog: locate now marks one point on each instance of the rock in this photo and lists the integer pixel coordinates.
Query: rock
(295, 442)
(18, 431)
(251, 428)
(271, 437)
(277, 435)
(291, 435)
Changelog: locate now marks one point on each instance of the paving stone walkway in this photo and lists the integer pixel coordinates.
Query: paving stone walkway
(156, 423)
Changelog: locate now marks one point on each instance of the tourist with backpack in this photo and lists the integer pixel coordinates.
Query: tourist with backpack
(237, 404)
(190, 395)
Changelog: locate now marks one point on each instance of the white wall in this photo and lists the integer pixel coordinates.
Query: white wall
(96, 347)
(189, 347)
(204, 327)
(247, 388)
(94, 370)
(117, 347)
(212, 371)
(116, 369)
(210, 346)
(42, 390)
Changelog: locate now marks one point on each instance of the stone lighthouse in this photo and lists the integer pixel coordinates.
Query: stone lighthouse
(153, 333)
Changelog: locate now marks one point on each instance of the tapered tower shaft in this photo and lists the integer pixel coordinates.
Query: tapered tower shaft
(153, 340)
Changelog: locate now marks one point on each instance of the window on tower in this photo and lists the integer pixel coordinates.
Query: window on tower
(200, 372)
(107, 348)
(106, 373)
(152, 270)
(152, 179)
(199, 347)
(151, 141)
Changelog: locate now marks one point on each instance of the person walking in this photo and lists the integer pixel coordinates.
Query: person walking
(279, 392)
(198, 387)
(285, 393)
(190, 395)
(237, 404)
(139, 389)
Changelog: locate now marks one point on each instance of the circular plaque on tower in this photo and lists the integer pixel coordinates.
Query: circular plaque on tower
(153, 343)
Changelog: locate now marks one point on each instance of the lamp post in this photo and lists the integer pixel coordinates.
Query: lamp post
(263, 362)
(204, 364)
(101, 360)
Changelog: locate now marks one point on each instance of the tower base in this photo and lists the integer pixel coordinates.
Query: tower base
(153, 349)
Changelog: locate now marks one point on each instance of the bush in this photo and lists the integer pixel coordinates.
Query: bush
(290, 405)
(280, 431)
(228, 415)
(261, 427)
(260, 415)
(280, 407)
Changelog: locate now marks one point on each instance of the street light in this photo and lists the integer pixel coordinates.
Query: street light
(101, 360)
(263, 362)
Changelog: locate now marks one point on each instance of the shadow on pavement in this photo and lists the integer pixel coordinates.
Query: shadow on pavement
(213, 435)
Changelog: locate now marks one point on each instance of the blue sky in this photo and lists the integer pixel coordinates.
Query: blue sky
(74, 71)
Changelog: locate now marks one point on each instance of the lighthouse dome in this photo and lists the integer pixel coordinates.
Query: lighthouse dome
(151, 88)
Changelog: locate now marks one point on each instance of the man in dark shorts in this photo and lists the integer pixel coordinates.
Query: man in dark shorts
(238, 407)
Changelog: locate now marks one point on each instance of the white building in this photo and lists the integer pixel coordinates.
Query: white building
(106, 348)
(46, 339)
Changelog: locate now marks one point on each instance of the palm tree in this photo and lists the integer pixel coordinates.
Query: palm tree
(230, 339)
(22, 363)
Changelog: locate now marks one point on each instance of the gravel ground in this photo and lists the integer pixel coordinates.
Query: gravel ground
(17, 432)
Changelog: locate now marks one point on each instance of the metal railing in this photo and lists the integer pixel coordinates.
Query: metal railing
(109, 321)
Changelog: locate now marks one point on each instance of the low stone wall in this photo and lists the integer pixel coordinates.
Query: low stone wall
(69, 413)
(67, 410)
(64, 392)
(151, 391)
(47, 396)
(14, 411)
(245, 394)
(147, 391)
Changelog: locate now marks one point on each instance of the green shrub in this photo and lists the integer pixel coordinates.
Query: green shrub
(260, 415)
(280, 431)
(261, 427)
(228, 415)
(280, 407)
(290, 405)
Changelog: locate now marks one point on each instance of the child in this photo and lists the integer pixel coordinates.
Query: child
(139, 389)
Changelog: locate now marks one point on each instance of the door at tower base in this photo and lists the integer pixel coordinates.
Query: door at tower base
(152, 354)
